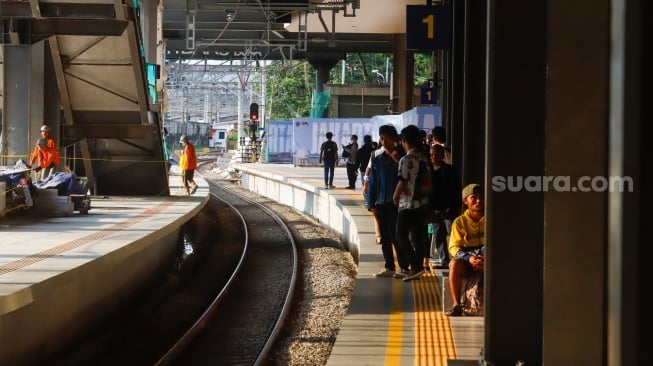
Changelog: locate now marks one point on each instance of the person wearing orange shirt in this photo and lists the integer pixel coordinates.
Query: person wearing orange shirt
(46, 152)
(188, 164)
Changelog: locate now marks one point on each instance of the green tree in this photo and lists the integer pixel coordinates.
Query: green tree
(423, 70)
(363, 68)
(291, 83)
(290, 86)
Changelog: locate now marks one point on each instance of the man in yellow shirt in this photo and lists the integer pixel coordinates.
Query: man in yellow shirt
(466, 244)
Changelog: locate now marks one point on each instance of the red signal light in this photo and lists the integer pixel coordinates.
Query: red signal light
(253, 112)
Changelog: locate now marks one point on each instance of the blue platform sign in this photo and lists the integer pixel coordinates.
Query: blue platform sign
(428, 27)
(428, 95)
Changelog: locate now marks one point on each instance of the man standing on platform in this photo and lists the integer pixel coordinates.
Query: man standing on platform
(445, 203)
(413, 205)
(363, 156)
(329, 155)
(381, 183)
(350, 151)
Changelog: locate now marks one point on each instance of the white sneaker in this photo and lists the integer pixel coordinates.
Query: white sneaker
(384, 273)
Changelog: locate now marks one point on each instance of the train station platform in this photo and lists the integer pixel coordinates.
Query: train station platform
(58, 274)
(389, 322)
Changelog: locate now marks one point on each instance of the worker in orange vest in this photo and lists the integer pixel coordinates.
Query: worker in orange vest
(46, 152)
(187, 165)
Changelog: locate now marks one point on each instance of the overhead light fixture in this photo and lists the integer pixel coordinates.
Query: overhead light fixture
(230, 15)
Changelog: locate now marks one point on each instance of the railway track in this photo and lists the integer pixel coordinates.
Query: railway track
(240, 328)
(223, 302)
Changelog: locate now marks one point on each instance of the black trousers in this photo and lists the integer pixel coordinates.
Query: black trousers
(352, 173)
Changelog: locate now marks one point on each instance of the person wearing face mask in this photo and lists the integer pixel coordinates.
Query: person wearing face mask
(350, 151)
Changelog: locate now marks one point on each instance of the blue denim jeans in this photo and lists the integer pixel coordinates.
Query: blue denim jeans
(441, 232)
(329, 168)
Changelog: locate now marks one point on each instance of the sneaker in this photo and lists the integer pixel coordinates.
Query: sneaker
(455, 310)
(332, 186)
(385, 273)
(192, 191)
(326, 187)
(413, 275)
(401, 274)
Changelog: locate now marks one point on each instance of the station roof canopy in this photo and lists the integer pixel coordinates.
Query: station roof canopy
(280, 29)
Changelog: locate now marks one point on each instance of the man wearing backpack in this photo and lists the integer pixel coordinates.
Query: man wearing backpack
(411, 196)
(329, 154)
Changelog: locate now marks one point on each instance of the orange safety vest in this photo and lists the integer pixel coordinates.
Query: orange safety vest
(188, 160)
(47, 155)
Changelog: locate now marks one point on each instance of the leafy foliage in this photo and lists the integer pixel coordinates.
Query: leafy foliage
(292, 83)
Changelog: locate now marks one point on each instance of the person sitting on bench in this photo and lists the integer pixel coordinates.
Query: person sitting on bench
(466, 243)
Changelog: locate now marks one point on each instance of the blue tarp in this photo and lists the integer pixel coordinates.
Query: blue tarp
(65, 183)
(13, 174)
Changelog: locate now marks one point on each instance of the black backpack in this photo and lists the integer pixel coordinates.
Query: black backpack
(345, 153)
(330, 151)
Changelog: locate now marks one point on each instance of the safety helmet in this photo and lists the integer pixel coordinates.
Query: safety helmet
(183, 139)
(45, 128)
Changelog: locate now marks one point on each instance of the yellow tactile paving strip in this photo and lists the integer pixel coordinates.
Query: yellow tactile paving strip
(395, 329)
(433, 338)
(37, 257)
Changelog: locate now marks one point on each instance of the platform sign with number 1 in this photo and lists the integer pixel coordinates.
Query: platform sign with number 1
(428, 27)
(428, 95)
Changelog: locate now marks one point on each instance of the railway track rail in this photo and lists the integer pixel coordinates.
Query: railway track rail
(243, 323)
(223, 302)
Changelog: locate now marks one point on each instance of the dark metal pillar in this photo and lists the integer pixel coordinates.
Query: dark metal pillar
(322, 63)
(577, 132)
(454, 85)
(628, 308)
(470, 99)
(402, 76)
(515, 147)
(322, 74)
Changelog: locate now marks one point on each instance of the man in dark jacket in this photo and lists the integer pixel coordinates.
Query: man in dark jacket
(382, 181)
(445, 202)
(363, 156)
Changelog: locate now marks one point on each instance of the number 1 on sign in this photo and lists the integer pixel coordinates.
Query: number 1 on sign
(430, 23)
